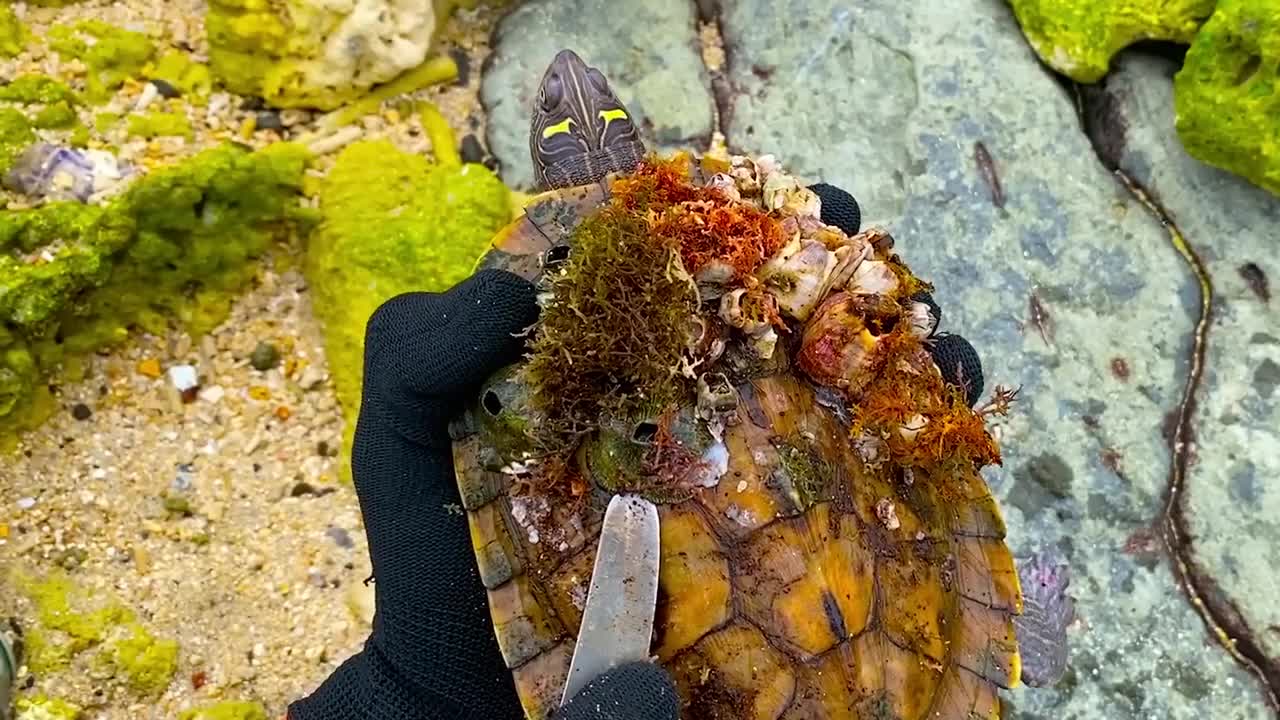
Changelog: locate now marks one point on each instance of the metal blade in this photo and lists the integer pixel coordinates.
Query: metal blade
(617, 623)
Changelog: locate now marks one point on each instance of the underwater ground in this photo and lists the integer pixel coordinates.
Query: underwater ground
(1105, 245)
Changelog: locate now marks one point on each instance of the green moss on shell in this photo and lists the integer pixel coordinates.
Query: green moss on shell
(422, 230)
(1078, 37)
(226, 710)
(1227, 95)
(178, 244)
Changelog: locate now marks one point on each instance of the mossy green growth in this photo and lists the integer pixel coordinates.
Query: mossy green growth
(157, 124)
(15, 135)
(620, 274)
(1078, 37)
(112, 54)
(42, 707)
(13, 34)
(57, 116)
(226, 710)
(178, 69)
(422, 230)
(1227, 95)
(178, 244)
(37, 89)
(145, 663)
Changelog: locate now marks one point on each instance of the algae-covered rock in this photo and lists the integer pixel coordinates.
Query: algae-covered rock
(193, 78)
(157, 124)
(72, 620)
(41, 707)
(15, 135)
(318, 53)
(226, 710)
(1227, 95)
(178, 243)
(1078, 37)
(110, 54)
(13, 34)
(422, 229)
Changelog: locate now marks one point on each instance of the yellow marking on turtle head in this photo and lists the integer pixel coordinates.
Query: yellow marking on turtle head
(560, 127)
(614, 114)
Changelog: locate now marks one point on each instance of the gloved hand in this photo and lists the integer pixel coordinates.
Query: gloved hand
(432, 651)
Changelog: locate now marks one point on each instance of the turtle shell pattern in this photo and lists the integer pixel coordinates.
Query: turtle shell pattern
(773, 602)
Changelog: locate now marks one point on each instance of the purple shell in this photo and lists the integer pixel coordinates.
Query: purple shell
(1047, 610)
(47, 170)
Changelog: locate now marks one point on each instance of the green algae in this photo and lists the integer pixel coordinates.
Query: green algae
(178, 69)
(15, 135)
(422, 230)
(112, 54)
(42, 707)
(159, 124)
(1227, 95)
(226, 710)
(431, 72)
(1079, 37)
(73, 620)
(13, 34)
(57, 116)
(37, 89)
(177, 244)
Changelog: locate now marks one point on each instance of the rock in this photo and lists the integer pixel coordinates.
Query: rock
(268, 120)
(340, 536)
(1230, 508)
(318, 53)
(80, 411)
(165, 89)
(1079, 37)
(264, 357)
(471, 149)
(650, 56)
(905, 93)
(312, 377)
(423, 231)
(1228, 92)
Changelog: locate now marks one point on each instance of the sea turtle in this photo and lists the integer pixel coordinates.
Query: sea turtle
(828, 546)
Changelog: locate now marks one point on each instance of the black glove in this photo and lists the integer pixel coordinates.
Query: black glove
(432, 651)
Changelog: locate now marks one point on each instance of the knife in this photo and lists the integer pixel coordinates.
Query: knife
(617, 622)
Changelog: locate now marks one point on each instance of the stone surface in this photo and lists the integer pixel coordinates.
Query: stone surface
(316, 53)
(649, 52)
(890, 102)
(1228, 93)
(1234, 510)
(1079, 37)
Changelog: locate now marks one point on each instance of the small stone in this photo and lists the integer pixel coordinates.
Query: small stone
(184, 377)
(150, 367)
(282, 412)
(165, 89)
(322, 448)
(177, 505)
(312, 377)
(184, 478)
(317, 580)
(302, 488)
(471, 150)
(212, 394)
(464, 65)
(340, 536)
(259, 651)
(269, 120)
(80, 411)
(26, 503)
(264, 357)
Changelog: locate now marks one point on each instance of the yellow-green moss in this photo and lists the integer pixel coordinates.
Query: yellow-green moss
(36, 89)
(111, 54)
(41, 707)
(1227, 95)
(72, 620)
(422, 230)
(59, 115)
(13, 34)
(226, 710)
(179, 70)
(15, 135)
(178, 244)
(157, 124)
(1078, 37)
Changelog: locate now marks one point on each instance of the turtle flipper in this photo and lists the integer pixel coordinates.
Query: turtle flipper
(1047, 610)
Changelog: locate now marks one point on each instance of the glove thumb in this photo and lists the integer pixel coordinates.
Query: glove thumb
(635, 691)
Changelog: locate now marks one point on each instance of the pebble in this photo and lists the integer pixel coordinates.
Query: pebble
(340, 536)
(212, 394)
(264, 357)
(312, 377)
(184, 478)
(26, 503)
(183, 377)
(269, 120)
(149, 94)
(165, 89)
(471, 150)
(80, 411)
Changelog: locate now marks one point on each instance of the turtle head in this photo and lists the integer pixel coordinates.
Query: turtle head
(580, 131)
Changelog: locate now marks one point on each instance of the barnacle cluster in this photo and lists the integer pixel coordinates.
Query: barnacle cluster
(698, 274)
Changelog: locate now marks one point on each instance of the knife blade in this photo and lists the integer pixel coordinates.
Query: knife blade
(617, 621)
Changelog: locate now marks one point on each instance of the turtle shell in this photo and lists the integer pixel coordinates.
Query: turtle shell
(803, 583)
